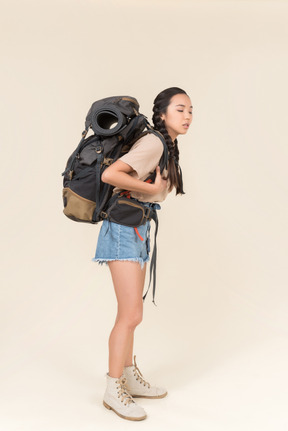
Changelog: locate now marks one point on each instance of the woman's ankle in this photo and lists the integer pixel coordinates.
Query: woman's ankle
(114, 375)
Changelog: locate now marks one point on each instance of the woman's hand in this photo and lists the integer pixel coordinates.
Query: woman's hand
(160, 184)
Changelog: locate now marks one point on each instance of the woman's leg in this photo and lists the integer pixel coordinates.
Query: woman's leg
(128, 279)
(129, 357)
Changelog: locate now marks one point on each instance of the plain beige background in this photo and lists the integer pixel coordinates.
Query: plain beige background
(218, 336)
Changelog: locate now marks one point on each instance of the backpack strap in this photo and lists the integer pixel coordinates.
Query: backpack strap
(99, 160)
(154, 217)
(164, 158)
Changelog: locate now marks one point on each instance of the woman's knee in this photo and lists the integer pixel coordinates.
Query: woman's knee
(131, 318)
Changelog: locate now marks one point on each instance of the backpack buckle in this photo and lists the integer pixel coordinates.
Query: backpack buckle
(107, 161)
(147, 213)
(99, 149)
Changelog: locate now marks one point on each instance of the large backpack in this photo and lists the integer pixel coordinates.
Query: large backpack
(117, 125)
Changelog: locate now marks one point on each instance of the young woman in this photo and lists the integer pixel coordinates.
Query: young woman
(126, 253)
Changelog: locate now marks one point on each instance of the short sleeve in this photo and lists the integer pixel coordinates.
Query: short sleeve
(144, 155)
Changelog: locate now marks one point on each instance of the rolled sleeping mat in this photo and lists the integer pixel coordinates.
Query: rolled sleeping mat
(107, 121)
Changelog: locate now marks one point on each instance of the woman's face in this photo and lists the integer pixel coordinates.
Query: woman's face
(178, 116)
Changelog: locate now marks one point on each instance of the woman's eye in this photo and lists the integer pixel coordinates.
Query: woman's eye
(179, 110)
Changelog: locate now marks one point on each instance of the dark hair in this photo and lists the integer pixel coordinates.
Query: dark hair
(161, 103)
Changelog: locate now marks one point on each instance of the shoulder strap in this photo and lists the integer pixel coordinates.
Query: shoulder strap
(164, 157)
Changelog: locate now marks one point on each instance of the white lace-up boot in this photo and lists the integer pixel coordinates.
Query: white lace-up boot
(117, 398)
(138, 387)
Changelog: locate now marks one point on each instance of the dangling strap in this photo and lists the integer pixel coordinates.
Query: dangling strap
(154, 257)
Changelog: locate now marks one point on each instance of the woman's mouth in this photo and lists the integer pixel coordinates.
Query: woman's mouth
(186, 125)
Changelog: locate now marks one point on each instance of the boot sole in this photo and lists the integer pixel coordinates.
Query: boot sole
(122, 416)
(147, 396)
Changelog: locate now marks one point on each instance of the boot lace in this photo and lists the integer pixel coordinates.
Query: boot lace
(138, 375)
(122, 392)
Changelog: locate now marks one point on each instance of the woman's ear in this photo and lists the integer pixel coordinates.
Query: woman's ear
(162, 116)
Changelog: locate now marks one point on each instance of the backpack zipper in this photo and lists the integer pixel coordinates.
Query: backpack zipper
(130, 203)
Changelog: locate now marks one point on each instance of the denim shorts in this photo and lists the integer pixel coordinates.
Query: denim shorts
(119, 242)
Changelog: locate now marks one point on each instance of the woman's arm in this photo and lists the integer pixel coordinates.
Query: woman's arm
(117, 175)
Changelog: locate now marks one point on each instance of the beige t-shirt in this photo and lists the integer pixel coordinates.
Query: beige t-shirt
(143, 157)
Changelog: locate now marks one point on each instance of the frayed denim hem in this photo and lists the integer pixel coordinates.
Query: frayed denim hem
(129, 259)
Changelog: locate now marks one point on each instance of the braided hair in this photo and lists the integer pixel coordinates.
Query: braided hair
(161, 103)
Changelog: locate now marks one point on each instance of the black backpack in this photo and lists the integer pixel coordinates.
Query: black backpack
(117, 125)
